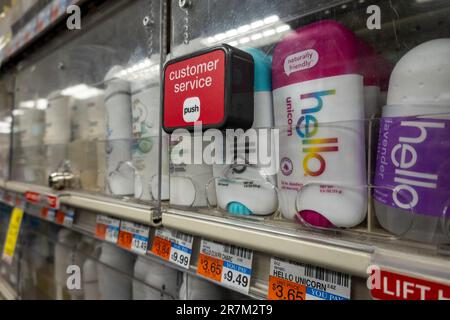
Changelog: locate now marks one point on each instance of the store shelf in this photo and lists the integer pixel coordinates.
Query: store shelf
(350, 252)
(326, 252)
(6, 291)
(258, 287)
(44, 21)
(121, 209)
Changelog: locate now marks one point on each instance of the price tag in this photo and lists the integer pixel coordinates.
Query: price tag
(52, 202)
(13, 232)
(294, 281)
(2, 195)
(68, 217)
(48, 214)
(173, 246)
(9, 199)
(228, 265)
(65, 217)
(60, 217)
(107, 228)
(134, 237)
(18, 202)
(33, 197)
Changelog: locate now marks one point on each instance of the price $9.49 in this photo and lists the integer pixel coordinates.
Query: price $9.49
(236, 278)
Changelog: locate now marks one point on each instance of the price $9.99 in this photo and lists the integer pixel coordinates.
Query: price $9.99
(179, 258)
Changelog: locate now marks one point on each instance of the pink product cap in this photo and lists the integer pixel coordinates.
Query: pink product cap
(315, 219)
(320, 50)
(370, 64)
(386, 70)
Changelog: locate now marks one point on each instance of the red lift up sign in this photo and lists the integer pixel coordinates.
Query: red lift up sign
(394, 286)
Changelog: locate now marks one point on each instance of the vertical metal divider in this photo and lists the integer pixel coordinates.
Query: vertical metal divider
(11, 139)
(164, 45)
(370, 209)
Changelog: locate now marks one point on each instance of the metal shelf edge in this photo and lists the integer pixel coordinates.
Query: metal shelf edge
(354, 262)
(7, 291)
(116, 210)
(107, 206)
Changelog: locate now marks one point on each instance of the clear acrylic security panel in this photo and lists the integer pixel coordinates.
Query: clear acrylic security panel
(108, 272)
(92, 96)
(6, 106)
(371, 39)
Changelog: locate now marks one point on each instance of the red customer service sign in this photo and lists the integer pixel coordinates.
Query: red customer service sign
(194, 90)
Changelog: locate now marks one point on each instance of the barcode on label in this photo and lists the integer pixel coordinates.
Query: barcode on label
(237, 251)
(333, 277)
(182, 236)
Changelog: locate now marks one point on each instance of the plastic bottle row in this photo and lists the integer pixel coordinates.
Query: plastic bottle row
(108, 136)
(107, 272)
(346, 127)
(349, 127)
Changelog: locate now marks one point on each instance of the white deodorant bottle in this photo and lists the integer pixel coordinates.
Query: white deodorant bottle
(412, 178)
(120, 174)
(84, 250)
(191, 182)
(319, 108)
(250, 188)
(90, 275)
(194, 288)
(57, 130)
(145, 98)
(114, 273)
(162, 282)
(64, 257)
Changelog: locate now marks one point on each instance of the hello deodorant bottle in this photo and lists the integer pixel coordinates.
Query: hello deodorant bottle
(145, 96)
(120, 175)
(249, 189)
(319, 108)
(412, 178)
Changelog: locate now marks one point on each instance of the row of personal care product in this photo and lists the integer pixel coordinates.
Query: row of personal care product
(111, 273)
(109, 138)
(133, 138)
(323, 90)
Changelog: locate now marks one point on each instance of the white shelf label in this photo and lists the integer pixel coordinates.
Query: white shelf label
(48, 214)
(107, 228)
(294, 281)
(173, 246)
(228, 265)
(68, 217)
(134, 237)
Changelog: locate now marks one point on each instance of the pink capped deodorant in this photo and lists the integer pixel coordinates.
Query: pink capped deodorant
(318, 94)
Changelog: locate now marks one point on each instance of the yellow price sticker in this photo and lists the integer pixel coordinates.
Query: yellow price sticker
(13, 232)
